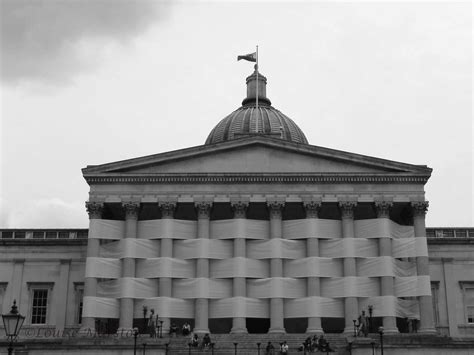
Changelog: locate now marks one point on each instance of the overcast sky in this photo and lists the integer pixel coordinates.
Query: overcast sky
(92, 82)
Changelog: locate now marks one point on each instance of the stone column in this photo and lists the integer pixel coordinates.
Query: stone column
(239, 283)
(422, 267)
(351, 308)
(201, 313)
(90, 283)
(128, 264)
(276, 268)
(166, 251)
(385, 249)
(312, 249)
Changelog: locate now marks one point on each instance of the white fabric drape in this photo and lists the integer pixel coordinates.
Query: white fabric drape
(412, 286)
(128, 287)
(410, 247)
(100, 307)
(131, 248)
(385, 266)
(106, 229)
(105, 268)
(239, 267)
(239, 228)
(313, 267)
(349, 247)
(276, 248)
(239, 307)
(202, 288)
(312, 228)
(349, 286)
(281, 287)
(165, 267)
(167, 228)
(203, 249)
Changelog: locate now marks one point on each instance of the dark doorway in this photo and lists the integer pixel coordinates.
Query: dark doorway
(220, 325)
(333, 325)
(296, 325)
(258, 325)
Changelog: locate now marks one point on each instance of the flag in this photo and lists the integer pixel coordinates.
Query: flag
(251, 57)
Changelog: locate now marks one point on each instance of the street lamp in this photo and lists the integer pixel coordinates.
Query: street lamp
(381, 340)
(161, 329)
(235, 348)
(135, 335)
(258, 347)
(12, 322)
(355, 327)
(371, 310)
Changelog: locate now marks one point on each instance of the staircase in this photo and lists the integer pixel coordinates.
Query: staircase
(247, 344)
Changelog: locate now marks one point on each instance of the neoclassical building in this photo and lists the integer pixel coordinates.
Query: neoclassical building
(255, 231)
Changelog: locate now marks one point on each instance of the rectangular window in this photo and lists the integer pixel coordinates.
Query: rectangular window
(468, 298)
(79, 290)
(434, 294)
(40, 306)
(469, 294)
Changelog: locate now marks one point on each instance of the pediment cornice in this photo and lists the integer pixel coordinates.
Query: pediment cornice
(123, 171)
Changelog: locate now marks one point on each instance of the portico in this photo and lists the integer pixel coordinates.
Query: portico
(257, 229)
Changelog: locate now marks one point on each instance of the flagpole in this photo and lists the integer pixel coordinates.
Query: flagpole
(256, 95)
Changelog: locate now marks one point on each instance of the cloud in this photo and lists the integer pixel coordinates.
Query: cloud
(46, 213)
(44, 40)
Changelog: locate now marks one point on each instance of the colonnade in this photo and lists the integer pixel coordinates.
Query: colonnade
(276, 310)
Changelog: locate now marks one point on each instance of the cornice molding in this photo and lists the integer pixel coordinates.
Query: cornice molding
(253, 178)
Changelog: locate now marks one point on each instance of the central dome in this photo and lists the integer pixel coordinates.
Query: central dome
(248, 120)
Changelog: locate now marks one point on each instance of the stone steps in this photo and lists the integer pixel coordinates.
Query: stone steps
(247, 344)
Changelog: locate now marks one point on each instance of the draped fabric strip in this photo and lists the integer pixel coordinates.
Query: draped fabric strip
(255, 268)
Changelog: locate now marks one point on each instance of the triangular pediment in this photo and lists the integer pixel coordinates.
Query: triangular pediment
(256, 155)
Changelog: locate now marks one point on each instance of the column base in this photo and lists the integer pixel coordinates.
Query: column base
(317, 331)
(388, 330)
(427, 331)
(238, 331)
(349, 331)
(277, 330)
(201, 331)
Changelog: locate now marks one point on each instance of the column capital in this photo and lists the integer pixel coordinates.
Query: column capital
(131, 209)
(347, 208)
(94, 209)
(275, 208)
(312, 208)
(203, 208)
(167, 209)
(383, 208)
(239, 208)
(419, 208)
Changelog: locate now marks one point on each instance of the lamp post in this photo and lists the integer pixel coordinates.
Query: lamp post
(12, 322)
(235, 348)
(355, 327)
(373, 347)
(161, 329)
(135, 335)
(258, 348)
(166, 346)
(381, 340)
(212, 348)
(371, 310)
(144, 347)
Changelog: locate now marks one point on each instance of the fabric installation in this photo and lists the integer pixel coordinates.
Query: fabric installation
(255, 267)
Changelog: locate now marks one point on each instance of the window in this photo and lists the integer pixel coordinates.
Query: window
(434, 294)
(468, 297)
(40, 306)
(79, 289)
(40, 297)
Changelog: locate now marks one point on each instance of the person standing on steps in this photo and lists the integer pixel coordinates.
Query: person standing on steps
(270, 349)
